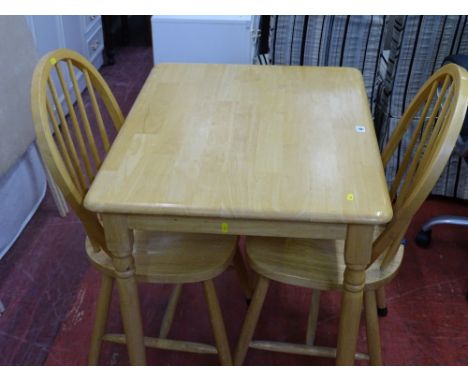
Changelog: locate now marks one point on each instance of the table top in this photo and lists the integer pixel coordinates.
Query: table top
(247, 142)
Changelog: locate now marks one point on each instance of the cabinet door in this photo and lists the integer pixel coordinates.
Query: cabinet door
(47, 34)
(46, 31)
(53, 32)
(73, 34)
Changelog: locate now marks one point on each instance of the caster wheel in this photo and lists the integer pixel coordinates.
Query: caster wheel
(423, 238)
(382, 312)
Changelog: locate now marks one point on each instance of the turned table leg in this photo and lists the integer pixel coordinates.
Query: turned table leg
(357, 256)
(119, 240)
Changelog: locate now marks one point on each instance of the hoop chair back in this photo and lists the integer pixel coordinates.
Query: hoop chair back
(74, 132)
(433, 121)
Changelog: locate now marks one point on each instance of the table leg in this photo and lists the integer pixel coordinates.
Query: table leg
(119, 240)
(357, 255)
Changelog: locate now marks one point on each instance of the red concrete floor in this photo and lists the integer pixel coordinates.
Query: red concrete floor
(49, 290)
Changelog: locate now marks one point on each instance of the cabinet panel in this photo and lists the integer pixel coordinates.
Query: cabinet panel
(73, 34)
(79, 33)
(90, 22)
(95, 44)
(46, 32)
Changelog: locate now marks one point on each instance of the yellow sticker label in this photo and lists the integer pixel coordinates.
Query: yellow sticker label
(53, 61)
(350, 197)
(224, 227)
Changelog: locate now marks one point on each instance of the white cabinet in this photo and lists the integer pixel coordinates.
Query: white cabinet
(80, 33)
(204, 39)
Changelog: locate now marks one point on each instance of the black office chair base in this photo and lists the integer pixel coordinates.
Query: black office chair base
(423, 238)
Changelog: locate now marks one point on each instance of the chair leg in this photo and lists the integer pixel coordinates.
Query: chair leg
(170, 311)
(251, 319)
(313, 317)
(102, 312)
(372, 328)
(132, 321)
(241, 269)
(219, 330)
(381, 304)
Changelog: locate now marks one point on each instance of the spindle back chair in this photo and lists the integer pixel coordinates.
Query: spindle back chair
(433, 120)
(73, 146)
(425, 122)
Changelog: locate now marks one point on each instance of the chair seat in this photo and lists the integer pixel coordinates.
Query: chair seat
(316, 264)
(173, 257)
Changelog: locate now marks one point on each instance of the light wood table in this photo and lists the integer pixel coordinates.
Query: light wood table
(246, 150)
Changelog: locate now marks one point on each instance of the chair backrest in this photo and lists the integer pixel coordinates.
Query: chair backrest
(433, 121)
(72, 144)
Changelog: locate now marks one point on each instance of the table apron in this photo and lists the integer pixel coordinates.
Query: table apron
(250, 227)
